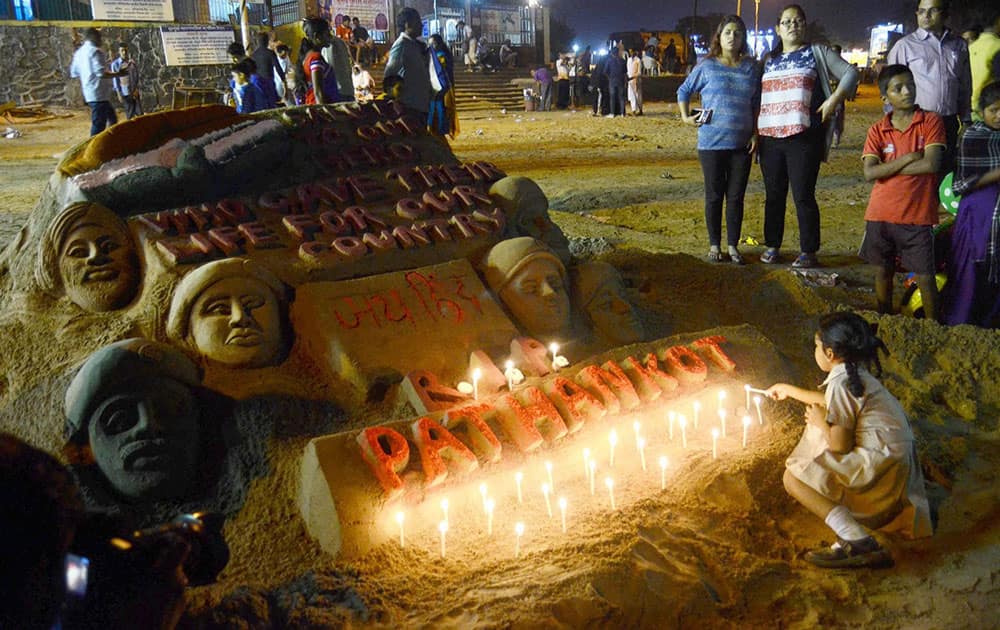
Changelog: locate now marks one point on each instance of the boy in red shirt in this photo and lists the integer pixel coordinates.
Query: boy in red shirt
(902, 154)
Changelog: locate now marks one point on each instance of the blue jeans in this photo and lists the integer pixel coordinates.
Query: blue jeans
(102, 115)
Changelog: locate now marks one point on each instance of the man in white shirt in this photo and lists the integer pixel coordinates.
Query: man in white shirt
(90, 65)
(635, 83)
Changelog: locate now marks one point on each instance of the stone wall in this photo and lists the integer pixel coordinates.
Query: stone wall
(35, 59)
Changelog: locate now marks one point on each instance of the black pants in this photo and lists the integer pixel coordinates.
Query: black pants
(794, 160)
(951, 125)
(102, 115)
(133, 107)
(617, 98)
(726, 174)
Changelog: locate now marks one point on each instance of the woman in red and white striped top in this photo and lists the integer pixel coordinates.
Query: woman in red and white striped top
(796, 110)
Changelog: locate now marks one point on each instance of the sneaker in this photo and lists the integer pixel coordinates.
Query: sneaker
(851, 554)
(770, 256)
(806, 261)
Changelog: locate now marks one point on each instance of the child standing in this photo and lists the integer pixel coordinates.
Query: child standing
(247, 97)
(972, 295)
(902, 155)
(855, 465)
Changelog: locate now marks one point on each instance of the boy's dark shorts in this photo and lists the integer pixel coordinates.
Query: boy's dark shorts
(914, 244)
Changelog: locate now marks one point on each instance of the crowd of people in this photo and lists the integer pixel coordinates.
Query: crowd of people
(786, 111)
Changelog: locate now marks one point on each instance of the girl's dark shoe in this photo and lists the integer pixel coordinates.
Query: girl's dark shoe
(852, 554)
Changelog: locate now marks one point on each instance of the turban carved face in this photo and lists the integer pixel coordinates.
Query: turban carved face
(98, 268)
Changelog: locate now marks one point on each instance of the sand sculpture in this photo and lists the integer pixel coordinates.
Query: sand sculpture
(133, 404)
(87, 254)
(531, 282)
(599, 296)
(527, 210)
(335, 253)
(232, 312)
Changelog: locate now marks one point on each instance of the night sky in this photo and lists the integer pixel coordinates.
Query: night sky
(847, 20)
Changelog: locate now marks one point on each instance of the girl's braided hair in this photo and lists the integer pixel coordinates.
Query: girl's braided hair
(853, 341)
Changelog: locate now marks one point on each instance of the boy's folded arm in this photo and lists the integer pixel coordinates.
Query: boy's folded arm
(929, 164)
(876, 169)
(841, 439)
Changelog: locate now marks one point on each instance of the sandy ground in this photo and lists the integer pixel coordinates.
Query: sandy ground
(722, 546)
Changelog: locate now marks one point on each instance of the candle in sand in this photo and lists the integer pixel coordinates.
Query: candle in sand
(400, 517)
(715, 443)
(746, 428)
(546, 491)
(518, 532)
(664, 462)
(443, 529)
(562, 510)
(613, 441)
(610, 483)
(683, 421)
(518, 478)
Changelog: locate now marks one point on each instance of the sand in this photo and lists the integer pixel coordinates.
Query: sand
(722, 546)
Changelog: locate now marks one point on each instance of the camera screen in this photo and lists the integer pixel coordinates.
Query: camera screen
(76, 574)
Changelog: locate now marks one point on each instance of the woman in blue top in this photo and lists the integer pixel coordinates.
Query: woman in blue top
(729, 83)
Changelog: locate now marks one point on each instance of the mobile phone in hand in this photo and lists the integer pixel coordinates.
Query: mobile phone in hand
(703, 116)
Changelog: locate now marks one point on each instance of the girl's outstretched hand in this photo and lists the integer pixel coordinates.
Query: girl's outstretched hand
(779, 391)
(816, 415)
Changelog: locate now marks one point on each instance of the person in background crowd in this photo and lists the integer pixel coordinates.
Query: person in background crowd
(247, 97)
(984, 61)
(443, 117)
(364, 85)
(364, 47)
(344, 31)
(543, 77)
(508, 56)
(127, 83)
(337, 53)
(971, 33)
(617, 71)
(582, 64)
(321, 82)
(728, 80)
(408, 59)
(267, 67)
(599, 87)
(237, 53)
(635, 83)
(670, 57)
(797, 104)
(284, 88)
(939, 60)
(972, 294)
(562, 82)
(90, 65)
(472, 52)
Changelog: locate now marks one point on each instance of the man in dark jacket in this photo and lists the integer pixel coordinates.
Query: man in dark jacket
(267, 67)
(617, 71)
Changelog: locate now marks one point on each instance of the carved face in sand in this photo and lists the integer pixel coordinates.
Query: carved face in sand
(95, 260)
(531, 282)
(133, 402)
(599, 293)
(527, 210)
(230, 312)
(237, 322)
(145, 440)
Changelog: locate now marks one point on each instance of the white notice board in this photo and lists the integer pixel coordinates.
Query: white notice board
(133, 10)
(196, 45)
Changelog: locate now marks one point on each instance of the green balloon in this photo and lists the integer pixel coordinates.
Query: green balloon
(948, 197)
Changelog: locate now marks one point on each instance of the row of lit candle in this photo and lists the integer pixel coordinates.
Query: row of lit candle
(590, 467)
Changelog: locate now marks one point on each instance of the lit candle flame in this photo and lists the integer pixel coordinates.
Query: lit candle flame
(562, 510)
(610, 483)
(400, 517)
